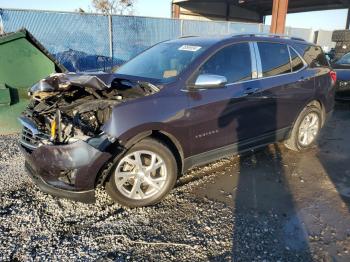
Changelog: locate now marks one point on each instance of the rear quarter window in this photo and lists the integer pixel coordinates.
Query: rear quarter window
(313, 55)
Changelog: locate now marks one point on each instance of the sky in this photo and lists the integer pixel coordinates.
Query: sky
(156, 8)
(327, 20)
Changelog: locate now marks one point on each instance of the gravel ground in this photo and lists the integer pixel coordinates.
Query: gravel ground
(271, 205)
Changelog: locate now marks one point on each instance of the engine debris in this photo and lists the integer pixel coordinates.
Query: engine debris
(74, 106)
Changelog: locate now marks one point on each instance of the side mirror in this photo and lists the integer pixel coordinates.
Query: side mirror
(207, 81)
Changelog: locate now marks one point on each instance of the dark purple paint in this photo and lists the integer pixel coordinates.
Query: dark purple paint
(199, 121)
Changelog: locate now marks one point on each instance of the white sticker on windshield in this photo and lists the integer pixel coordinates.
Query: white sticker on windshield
(190, 48)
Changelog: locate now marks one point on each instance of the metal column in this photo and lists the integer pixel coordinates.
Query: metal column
(279, 14)
(110, 28)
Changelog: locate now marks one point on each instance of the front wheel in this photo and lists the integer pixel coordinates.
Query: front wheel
(306, 129)
(143, 176)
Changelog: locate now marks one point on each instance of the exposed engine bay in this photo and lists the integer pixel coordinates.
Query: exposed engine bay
(68, 107)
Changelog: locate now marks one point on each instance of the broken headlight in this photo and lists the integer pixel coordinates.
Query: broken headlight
(42, 86)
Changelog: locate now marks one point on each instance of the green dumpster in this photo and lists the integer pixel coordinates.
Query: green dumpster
(23, 62)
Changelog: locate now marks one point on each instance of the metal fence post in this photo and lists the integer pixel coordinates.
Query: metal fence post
(182, 27)
(2, 30)
(261, 28)
(110, 27)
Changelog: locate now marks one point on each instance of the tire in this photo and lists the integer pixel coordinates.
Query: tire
(341, 36)
(294, 143)
(135, 191)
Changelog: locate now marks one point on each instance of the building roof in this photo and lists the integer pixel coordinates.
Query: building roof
(264, 7)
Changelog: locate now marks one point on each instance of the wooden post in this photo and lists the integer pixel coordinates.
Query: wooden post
(279, 14)
(176, 11)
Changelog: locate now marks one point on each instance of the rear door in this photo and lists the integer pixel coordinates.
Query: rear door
(286, 85)
(318, 64)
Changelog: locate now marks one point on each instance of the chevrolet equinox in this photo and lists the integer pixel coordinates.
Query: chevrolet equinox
(181, 103)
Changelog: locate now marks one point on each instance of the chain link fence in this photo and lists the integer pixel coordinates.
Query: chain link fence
(94, 42)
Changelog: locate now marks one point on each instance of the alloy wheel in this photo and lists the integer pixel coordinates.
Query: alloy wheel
(309, 129)
(140, 175)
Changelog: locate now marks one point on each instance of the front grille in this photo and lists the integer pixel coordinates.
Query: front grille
(31, 141)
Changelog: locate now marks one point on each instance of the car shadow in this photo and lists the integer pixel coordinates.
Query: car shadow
(334, 150)
(285, 204)
(266, 220)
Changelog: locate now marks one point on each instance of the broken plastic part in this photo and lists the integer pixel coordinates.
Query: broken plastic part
(67, 106)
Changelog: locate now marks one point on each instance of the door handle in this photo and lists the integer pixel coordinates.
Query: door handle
(250, 91)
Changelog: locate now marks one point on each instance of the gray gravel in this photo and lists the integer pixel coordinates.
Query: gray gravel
(36, 226)
(273, 205)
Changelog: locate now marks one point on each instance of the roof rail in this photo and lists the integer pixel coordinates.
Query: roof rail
(270, 35)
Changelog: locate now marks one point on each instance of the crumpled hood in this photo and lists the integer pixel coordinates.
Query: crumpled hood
(62, 81)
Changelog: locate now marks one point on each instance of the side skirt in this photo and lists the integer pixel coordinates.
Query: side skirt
(240, 147)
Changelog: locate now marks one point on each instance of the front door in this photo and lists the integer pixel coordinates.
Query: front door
(224, 116)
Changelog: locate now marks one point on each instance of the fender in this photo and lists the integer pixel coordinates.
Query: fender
(129, 143)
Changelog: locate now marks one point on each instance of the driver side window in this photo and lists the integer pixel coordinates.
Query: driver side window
(233, 62)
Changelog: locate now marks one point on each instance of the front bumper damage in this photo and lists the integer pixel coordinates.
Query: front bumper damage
(63, 140)
(67, 171)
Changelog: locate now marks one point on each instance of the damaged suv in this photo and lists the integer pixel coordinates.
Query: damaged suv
(179, 104)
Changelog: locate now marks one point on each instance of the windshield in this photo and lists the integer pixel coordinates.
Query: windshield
(345, 60)
(163, 62)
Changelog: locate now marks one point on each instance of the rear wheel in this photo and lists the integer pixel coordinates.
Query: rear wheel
(306, 129)
(143, 176)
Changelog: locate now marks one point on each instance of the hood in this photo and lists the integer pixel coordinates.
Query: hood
(340, 66)
(343, 74)
(73, 106)
(60, 82)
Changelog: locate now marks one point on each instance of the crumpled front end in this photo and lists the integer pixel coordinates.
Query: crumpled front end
(62, 138)
(67, 171)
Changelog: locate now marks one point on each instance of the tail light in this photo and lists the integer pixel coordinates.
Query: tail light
(333, 76)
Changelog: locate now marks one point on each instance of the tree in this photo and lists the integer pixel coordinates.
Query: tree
(118, 7)
(79, 10)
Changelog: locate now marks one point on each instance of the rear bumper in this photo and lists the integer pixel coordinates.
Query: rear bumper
(48, 166)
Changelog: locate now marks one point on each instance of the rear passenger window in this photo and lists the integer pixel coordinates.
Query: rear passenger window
(297, 63)
(313, 55)
(274, 59)
(233, 62)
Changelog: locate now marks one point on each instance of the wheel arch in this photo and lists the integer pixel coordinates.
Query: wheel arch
(314, 102)
(168, 139)
(318, 103)
(173, 144)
